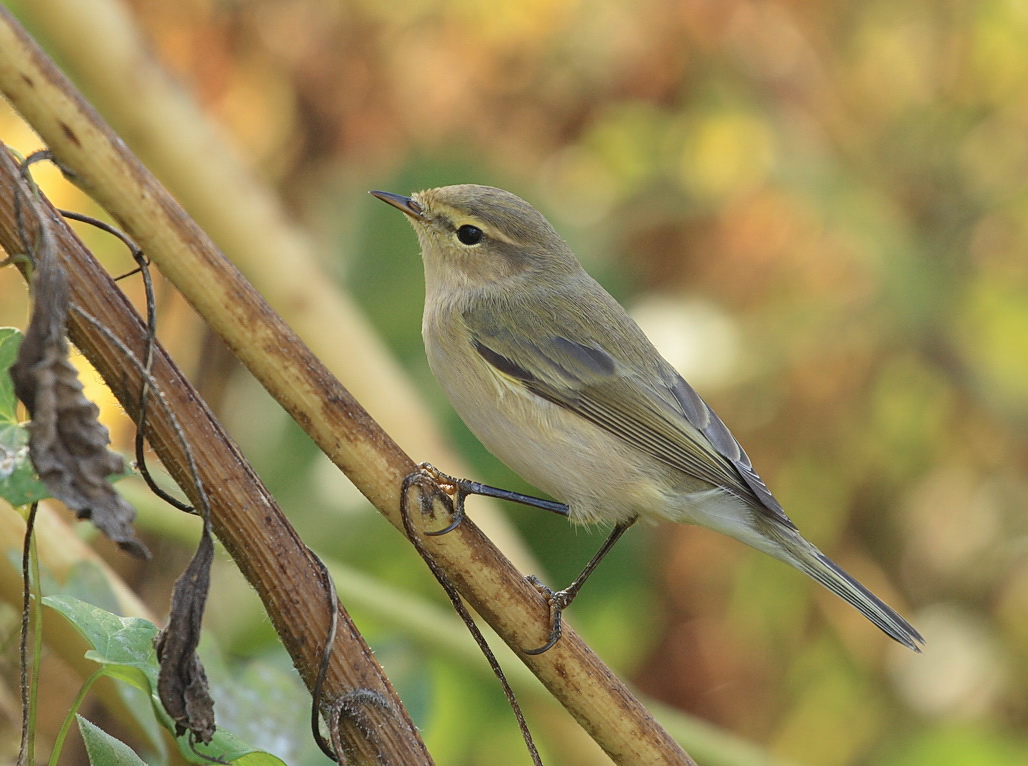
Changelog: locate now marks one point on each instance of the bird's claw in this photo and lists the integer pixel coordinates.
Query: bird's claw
(444, 481)
(452, 488)
(556, 601)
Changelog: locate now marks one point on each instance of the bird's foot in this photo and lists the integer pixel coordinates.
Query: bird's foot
(557, 601)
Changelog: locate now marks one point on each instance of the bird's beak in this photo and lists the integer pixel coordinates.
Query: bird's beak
(403, 204)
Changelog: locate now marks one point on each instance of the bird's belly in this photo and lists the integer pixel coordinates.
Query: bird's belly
(600, 477)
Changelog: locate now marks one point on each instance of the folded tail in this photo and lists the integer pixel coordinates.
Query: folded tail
(793, 549)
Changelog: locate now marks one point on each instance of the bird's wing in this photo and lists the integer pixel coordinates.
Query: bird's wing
(658, 413)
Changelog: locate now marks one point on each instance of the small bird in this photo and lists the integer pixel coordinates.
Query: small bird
(554, 377)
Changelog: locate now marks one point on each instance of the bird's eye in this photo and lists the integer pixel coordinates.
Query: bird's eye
(469, 235)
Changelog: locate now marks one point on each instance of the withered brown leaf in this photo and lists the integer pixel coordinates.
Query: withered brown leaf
(67, 444)
(182, 682)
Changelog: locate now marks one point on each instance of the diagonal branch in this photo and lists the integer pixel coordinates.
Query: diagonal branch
(303, 386)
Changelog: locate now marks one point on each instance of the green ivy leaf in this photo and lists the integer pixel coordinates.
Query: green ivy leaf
(105, 750)
(18, 482)
(10, 342)
(124, 646)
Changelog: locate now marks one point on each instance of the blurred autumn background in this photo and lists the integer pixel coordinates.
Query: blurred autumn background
(819, 212)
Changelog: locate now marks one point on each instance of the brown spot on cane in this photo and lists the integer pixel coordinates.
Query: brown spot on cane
(70, 134)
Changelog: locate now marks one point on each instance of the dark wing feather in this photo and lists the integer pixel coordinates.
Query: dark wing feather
(706, 420)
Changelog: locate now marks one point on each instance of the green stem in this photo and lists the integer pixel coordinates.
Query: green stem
(35, 621)
(70, 717)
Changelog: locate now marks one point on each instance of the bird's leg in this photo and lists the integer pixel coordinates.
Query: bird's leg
(459, 489)
(560, 600)
(557, 601)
